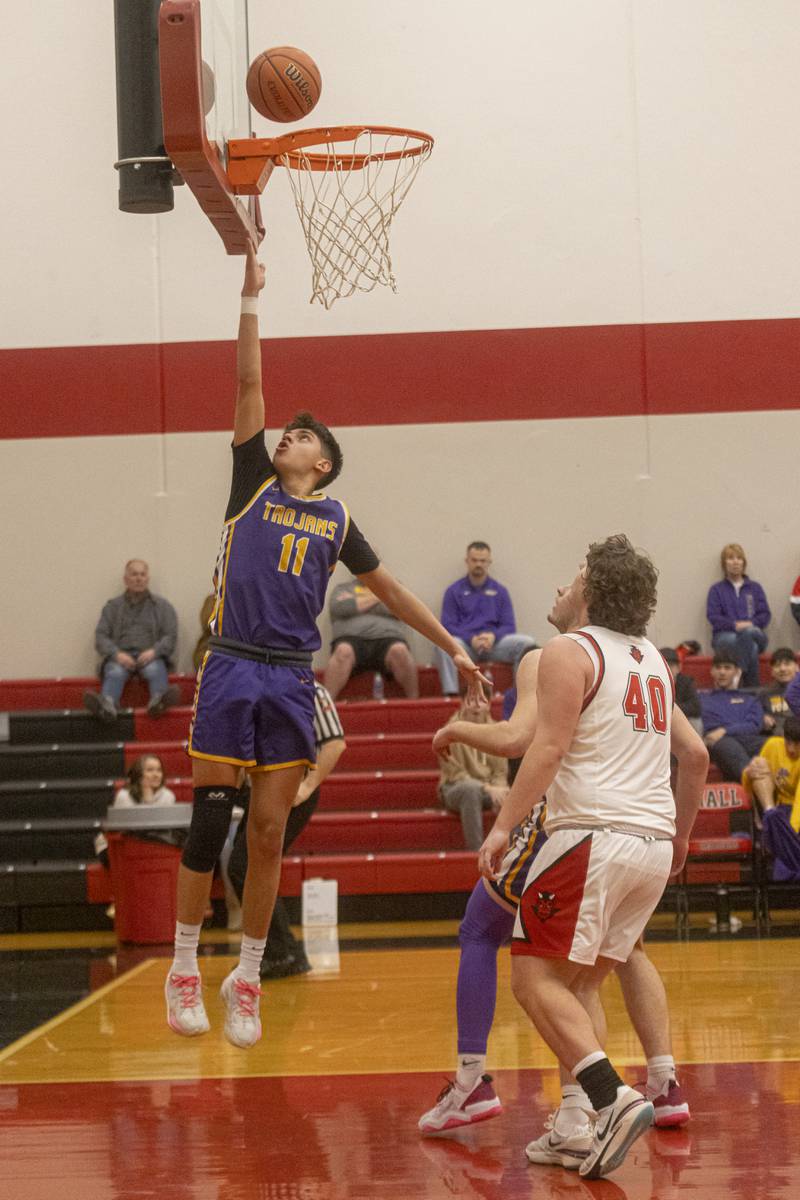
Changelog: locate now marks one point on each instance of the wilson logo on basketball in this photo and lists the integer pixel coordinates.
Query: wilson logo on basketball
(300, 83)
(544, 906)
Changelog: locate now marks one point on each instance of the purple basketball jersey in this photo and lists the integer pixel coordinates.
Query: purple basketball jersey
(275, 559)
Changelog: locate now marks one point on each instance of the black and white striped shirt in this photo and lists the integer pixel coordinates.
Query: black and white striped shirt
(327, 726)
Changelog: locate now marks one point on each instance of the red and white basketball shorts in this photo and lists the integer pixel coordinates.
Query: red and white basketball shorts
(590, 892)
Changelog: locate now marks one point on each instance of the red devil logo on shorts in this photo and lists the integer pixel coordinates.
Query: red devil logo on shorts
(636, 653)
(545, 907)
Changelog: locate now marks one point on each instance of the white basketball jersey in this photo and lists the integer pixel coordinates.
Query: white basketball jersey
(616, 771)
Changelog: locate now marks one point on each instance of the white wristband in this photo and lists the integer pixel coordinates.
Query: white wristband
(250, 305)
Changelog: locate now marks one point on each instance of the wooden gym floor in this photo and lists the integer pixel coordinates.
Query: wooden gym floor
(103, 1102)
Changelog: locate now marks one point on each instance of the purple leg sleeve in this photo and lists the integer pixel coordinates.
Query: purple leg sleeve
(485, 928)
(782, 842)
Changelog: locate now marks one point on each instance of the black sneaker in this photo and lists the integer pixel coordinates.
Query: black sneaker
(164, 700)
(282, 968)
(100, 706)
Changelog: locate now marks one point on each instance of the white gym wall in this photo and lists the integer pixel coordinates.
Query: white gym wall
(604, 162)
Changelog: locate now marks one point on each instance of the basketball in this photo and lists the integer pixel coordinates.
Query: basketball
(283, 84)
(208, 88)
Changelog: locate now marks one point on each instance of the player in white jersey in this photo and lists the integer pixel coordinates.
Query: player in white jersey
(601, 755)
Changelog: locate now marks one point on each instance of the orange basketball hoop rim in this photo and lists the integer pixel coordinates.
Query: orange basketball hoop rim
(251, 160)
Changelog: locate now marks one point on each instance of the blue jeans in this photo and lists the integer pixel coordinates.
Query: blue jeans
(509, 649)
(115, 676)
(746, 644)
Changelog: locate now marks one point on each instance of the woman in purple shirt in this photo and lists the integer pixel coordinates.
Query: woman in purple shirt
(738, 613)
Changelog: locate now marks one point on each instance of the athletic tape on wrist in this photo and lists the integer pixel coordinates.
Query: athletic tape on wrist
(250, 305)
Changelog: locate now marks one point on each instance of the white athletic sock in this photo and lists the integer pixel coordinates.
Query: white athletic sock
(187, 938)
(660, 1073)
(470, 1069)
(575, 1109)
(250, 956)
(573, 1096)
(589, 1061)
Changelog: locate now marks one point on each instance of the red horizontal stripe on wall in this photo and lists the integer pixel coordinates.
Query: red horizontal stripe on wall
(409, 378)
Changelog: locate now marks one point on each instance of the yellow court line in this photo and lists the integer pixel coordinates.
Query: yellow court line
(74, 940)
(73, 1010)
(348, 931)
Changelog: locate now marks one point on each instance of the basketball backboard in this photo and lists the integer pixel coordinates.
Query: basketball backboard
(203, 55)
(348, 181)
(224, 51)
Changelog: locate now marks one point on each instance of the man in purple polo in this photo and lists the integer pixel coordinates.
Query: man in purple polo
(478, 612)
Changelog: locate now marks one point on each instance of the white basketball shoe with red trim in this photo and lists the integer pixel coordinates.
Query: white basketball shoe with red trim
(242, 1019)
(186, 1012)
(455, 1108)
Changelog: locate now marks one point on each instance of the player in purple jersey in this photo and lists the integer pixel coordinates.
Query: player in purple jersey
(254, 705)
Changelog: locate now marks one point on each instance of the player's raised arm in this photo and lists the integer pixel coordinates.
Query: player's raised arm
(409, 608)
(249, 415)
(508, 739)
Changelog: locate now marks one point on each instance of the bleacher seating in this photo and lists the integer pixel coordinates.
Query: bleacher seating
(723, 857)
(379, 830)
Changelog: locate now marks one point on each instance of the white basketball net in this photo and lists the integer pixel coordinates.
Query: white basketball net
(347, 209)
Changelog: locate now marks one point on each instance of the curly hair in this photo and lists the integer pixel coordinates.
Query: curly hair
(620, 587)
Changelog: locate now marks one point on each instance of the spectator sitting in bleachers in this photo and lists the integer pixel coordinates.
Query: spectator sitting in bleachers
(783, 667)
(145, 785)
(686, 697)
(471, 781)
(201, 645)
(478, 612)
(773, 777)
(738, 613)
(136, 634)
(732, 719)
(367, 637)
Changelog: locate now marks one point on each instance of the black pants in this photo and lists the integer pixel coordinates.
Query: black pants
(281, 942)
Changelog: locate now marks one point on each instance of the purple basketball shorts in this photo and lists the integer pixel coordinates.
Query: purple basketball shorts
(253, 715)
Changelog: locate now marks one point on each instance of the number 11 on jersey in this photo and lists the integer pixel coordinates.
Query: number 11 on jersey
(287, 545)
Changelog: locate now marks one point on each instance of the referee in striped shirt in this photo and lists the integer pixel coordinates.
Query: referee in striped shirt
(284, 955)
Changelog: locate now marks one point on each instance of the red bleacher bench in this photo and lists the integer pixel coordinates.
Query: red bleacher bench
(98, 881)
(699, 667)
(385, 874)
(67, 692)
(378, 752)
(722, 842)
(360, 790)
(382, 832)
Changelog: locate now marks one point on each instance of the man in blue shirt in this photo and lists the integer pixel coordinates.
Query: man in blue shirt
(478, 612)
(732, 719)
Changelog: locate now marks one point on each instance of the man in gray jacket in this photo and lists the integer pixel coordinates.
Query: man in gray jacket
(136, 634)
(367, 637)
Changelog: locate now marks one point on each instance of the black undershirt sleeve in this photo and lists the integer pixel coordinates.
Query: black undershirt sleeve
(251, 466)
(356, 553)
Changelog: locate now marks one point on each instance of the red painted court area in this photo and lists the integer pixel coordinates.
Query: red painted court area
(340, 1137)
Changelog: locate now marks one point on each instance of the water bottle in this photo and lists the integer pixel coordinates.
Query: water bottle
(377, 686)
